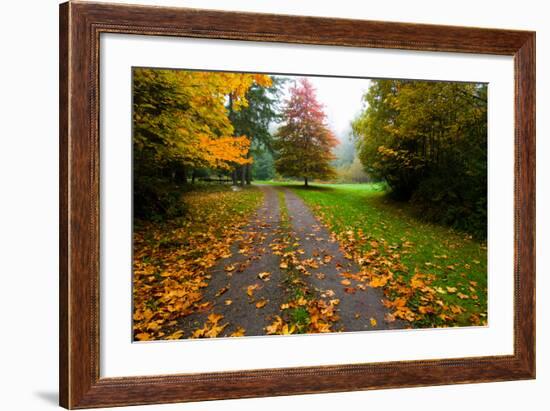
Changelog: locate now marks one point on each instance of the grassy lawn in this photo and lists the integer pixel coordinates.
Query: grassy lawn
(454, 264)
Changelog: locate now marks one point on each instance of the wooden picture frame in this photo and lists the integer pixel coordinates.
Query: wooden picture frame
(80, 27)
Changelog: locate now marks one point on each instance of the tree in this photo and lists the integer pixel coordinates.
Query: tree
(180, 116)
(304, 142)
(263, 166)
(180, 124)
(254, 121)
(428, 141)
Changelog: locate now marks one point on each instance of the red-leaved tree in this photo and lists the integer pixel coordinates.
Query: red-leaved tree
(304, 142)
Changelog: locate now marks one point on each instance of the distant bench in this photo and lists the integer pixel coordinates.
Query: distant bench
(220, 180)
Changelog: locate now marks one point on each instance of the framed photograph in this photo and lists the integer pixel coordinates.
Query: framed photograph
(258, 205)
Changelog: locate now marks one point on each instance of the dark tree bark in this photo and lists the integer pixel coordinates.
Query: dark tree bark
(182, 175)
(306, 182)
(248, 174)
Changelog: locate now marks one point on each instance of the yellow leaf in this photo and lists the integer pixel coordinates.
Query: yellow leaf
(264, 275)
(222, 291)
(373, 322)
(175, 336)
(425, 309)
(345, 282)
(462, 296)
(143, 337)
(215, 330)
(389, 318)
(238, 333)
(451, 290)
(456, 309)
(250, 289)
(261, 303)
(301, 301)
(228, 302)
(275, 326)
(379, 281)
(214, 318)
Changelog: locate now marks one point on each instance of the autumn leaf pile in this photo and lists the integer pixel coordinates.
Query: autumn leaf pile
(417, 296)
(305, 311)
(171, 260)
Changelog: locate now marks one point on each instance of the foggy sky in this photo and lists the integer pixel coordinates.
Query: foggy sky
(341, 98)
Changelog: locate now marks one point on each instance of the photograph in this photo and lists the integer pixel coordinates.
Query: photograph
(279, 204)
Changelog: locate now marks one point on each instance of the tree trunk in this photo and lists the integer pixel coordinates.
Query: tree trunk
(184, 175)
(305, 182)
(193, 176)
(234, 177)
(243, 174)
(248, 174)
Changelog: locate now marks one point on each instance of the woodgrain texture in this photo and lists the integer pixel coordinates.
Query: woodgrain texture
(80, 27)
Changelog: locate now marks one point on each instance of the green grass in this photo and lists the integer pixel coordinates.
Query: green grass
(454, 258)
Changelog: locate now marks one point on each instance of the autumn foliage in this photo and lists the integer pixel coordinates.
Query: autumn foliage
(181, 123)
(304, 142)
(227, 260)
(428, 142)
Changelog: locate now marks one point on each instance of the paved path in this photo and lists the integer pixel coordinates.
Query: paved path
(250, 256)
(253, 254)
(357, 306)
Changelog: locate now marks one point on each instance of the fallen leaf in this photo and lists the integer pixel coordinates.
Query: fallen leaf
(275, 326)
(222, 291)
(425, 309)
(301, 301)
(239, 332)
(228, 302)
(264, 275)
(214, 318)
(251, 288)
(261, 303)
(175, 336)
(456, 309)
(389, 318)
(345, 282)
(373, 322)
(143, 336)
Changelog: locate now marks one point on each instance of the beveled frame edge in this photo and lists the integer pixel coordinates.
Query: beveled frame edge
(81, 24)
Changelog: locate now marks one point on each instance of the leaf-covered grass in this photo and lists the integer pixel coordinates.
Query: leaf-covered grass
(171, 258)
(441, 274)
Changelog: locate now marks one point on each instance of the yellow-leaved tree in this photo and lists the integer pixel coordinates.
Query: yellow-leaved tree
(181, 122)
